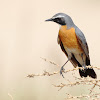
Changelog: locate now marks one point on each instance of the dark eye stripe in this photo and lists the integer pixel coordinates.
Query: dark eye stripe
(57, 18)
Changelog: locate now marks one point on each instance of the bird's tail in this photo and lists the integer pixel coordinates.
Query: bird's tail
(88, 72)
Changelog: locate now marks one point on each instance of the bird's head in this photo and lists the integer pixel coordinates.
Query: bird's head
(62, 19)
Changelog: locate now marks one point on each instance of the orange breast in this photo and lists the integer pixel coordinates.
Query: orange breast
(68, 37)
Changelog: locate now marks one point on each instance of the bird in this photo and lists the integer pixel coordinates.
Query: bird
(74, 45)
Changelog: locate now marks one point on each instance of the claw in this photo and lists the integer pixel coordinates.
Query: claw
(61, 71)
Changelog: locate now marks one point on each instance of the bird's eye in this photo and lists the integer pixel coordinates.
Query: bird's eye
(57, 19)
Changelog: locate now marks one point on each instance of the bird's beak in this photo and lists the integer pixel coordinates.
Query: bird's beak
(49, 19)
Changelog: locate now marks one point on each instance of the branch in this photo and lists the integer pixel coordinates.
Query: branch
(78, 81)
(46, 73)
(95, 96)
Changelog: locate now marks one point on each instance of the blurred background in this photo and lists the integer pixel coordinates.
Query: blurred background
(25, 37)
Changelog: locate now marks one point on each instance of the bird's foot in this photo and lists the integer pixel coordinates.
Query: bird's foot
(61, 71)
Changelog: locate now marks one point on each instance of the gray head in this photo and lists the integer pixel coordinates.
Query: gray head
(62, 19)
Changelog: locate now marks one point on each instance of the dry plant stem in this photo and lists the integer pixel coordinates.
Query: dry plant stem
(46, 73)
(51, 62)
(10, 96)
(78, 81)
(89, 97)
(95, 84)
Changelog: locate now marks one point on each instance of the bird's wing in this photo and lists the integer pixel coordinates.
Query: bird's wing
(73, 60)
(82, 41)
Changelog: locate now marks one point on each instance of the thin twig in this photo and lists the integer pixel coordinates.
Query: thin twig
(10, 96)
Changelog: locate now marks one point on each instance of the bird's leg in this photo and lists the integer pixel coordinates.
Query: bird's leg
(83, 63)
(62, 68)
